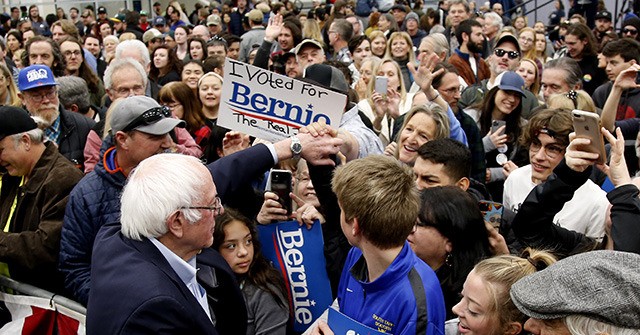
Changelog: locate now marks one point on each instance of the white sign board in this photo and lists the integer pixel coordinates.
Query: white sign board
(270, 106)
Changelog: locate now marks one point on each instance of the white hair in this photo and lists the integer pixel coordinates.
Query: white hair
(496, 20)
(159, 186)
(133, 45)
(582, 325)
(112, 38)
(118, 64)
(35, 135)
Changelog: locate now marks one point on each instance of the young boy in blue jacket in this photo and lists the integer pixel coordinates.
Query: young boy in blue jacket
(384, 285)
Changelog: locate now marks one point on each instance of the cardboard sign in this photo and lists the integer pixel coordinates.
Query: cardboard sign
(341, 324)
(272, 107)
(297, 252)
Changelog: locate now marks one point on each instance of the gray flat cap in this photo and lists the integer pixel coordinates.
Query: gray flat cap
(602, 285)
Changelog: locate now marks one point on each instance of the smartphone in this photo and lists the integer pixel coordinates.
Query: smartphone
(496, 124)
(492, 212)
(381, 84)
(587, 125)
(279, 182)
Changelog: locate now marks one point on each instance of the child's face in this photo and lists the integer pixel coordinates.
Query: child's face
(237, 248)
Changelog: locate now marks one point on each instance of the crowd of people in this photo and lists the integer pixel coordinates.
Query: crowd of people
(120, 190)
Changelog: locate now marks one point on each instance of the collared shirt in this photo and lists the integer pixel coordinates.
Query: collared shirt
(53, 132)
(187, 273)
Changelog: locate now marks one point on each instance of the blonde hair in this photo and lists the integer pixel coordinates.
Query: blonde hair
(311, 30)
(583, 101)
(12, 89)
(407, 38)
(535, 87)
(531, 54)
(127, 36)
(372, 83)
(501, 272)
(437, 114)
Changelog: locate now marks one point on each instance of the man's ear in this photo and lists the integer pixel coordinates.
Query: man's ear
(463, 183)
(175, 224)
(121, 138)
(513, 328)
(355, 227)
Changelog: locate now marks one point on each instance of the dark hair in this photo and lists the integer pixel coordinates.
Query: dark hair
(202, 42)
(558, 123)
(465, 27)
(232, 39)
(582, 32)
(173, 64)
(261, 273)
(59, 63)
(437, 80)
(85, 71)
(627, 48)
(486, 107)
(460, 221)
(213, 62)
(293, 25)
(454, 155)
(18, 35)
(355, 42)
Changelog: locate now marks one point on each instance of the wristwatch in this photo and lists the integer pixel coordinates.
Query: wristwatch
(296, 147)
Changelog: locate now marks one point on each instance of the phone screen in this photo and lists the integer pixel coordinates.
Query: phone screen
(381, 84)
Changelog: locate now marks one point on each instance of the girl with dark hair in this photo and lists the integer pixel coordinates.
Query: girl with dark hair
(499, 117)
(197, 48)
(71, 50)
(14, 41)
(451, 237)
(236, 238)
(180, 36)
(165, 66)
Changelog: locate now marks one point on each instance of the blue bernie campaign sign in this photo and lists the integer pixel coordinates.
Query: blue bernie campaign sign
(271, 106)
(341, 324)
(297, 252)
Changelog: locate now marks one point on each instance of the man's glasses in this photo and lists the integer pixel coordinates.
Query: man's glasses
(69, 53)
(630, 31)
(128, 91)
(510, 54)
(150, 116)
(38, 98)
(216, 208)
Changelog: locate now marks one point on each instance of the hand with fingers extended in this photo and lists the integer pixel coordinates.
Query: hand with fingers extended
(234, 141)
(271, 210)
(627, 78)
(617, 170)
(306, 212)
(274, 27)
(424, 74)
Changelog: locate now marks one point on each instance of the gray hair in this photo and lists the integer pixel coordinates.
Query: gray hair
(582, 325)
(73, 90)
(439, 43)
(134, 44)
(343, 28)
(150, 197)
(570, 67)
(496, 20)
(118, 64)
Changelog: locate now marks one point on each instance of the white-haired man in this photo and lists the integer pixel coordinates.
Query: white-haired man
(155, 247)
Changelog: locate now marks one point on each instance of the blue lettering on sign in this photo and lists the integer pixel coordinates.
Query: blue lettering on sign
(243, 98)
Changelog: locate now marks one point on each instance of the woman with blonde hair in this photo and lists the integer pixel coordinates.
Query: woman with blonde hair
(378, 43)
(486, 307)
(8, 89)
(312, 31)
(382, 108)
(110, 43)
(400, 49)
(528, 70)
(520, 22)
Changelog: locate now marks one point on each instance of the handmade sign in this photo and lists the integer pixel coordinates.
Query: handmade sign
(272, 107)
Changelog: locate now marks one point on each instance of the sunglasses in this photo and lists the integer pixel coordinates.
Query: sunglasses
(510, 54)
(629, 31)
(150, 116)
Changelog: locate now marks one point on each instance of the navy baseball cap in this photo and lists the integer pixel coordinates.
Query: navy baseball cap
(35, 76)
(159, 21)
(511, 81)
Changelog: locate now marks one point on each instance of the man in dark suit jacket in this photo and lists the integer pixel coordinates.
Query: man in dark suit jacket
(143, 271)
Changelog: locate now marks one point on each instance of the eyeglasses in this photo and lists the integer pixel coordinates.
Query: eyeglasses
(157, 40)
(150, 116)
(453, 90)
(129, 91)
(510, 54)
(551, 150)
(69, 53)
(216, 208)
(38, 98)
(173, 105)
(528, 40)
(629, 31)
